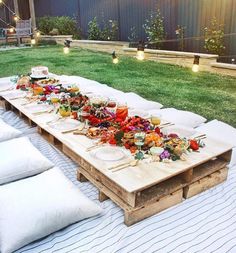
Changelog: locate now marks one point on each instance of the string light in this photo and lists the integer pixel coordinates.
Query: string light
(33, 40)
(1, 1)
(140, 51)
(15, 18)
(38, 33)
(195, 67)
(115, 59)
(11, 29)
(66, 48)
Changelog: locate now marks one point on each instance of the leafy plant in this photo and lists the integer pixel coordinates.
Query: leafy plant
(94, 32)
(180, 33)
(65, 25)
(154, 28)
(108, 32)
(133, 34)
(214, 37)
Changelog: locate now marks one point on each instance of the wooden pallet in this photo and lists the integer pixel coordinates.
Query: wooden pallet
(205, 183)
(175, 182)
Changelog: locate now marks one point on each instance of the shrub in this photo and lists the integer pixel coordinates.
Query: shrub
(180, 34)
(214, 38)
(133, 35)
(154, 28)
(108, 32)
(94, 32)
(65, 25)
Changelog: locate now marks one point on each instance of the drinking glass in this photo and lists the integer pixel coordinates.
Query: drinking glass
(156, 119)
(122, 111)
(139, 139)
(85, 116)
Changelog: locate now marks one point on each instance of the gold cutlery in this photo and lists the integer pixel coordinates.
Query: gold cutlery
(121, 165)
(94, 146)
(166, 125)
(79, 128)
(130, 164)
(42, 112)
(200, 137)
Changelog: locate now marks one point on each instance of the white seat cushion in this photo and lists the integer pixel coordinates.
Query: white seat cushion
(8, 132)
(222, 132)
(38, 206)
(185, 118)
(20, 159)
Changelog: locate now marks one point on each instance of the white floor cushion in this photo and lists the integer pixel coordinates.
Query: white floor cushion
(8, 132)
(222, 132)
(38, 206)
(20, 159)
(185, 118)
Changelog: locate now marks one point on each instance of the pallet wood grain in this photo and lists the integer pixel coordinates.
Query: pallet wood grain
(205, 183)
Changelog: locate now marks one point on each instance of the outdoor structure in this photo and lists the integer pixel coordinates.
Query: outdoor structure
(191, 14)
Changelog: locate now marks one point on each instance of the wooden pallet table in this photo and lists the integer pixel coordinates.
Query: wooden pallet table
(143, 190)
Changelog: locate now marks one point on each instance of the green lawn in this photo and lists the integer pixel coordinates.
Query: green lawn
(212, 96)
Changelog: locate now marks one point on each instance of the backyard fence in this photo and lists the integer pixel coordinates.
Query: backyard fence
(194, 15)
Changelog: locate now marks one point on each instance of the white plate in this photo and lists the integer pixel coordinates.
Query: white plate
(63, 125)
(109, 154)
(181, 131)
(141, 113)
(35, 108)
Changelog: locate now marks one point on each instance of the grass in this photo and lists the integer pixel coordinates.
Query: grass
(210, 95)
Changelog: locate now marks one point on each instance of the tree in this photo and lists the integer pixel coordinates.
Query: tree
(214, 38)
(154, 28)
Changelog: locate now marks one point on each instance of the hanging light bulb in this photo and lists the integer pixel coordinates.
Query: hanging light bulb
(33, 40)
(195, 67)
(140, 51)
(15, 18)
(11, 29)
(115, 59)
(1, 1)
(38, 33)
(66, 48)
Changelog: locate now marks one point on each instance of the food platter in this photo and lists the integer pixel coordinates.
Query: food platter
(48, 81)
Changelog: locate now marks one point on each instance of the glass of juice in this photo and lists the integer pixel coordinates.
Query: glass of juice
(156, 119)
(122, 111)
(85, 116)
